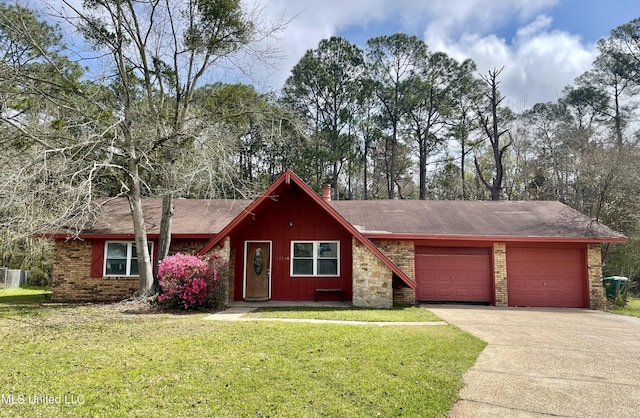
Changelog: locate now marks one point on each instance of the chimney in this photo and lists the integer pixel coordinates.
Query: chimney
(326, 192)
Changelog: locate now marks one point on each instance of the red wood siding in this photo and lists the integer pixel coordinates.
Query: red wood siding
(453, 274)
(546, 276)
(310, 223)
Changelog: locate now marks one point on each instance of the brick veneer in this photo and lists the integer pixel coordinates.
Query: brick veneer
(594, 274)
(402, 253)
(500, 273)
(72, 282)
(372, 279)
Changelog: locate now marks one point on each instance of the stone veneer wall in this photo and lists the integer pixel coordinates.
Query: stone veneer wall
(597, 298)
(402, 253)
(372, 279)
(500, 273)
(72, 282)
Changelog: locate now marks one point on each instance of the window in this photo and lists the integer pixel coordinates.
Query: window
(315, 258)
(121, 258)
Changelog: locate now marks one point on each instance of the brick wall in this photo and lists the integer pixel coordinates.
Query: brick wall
(372, 279)
(186, 246)
(402, 253)
(402, 294)
(72, 282)
(594, 277)
(500, 273)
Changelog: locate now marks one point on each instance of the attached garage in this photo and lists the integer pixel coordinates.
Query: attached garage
(453, 274)
(549, 276)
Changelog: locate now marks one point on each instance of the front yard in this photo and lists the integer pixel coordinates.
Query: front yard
(96, 360)
(632, 308)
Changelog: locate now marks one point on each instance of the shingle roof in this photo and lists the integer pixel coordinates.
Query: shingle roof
(471, 218)
(543, 219)
(190, 217)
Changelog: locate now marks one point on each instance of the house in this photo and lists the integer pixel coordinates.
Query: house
(291, 244)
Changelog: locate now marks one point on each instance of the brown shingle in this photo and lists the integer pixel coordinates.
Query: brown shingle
(471, 218)
(191, 216)
(373, 217)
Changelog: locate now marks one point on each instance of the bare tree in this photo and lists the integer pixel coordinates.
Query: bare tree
(494, 132)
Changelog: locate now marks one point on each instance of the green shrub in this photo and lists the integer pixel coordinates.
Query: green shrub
(37, 277)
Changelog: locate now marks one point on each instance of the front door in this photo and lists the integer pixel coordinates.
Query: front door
(257, 267)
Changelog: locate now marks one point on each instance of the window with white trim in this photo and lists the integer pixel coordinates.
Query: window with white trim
(315, 258)
(121, 258)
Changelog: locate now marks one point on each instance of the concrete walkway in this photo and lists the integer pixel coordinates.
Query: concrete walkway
(549, 362)
(237, 311)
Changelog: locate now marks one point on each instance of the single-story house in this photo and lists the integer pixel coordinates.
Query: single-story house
(291, 244)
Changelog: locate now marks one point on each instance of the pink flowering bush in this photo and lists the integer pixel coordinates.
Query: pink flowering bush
(186, 281)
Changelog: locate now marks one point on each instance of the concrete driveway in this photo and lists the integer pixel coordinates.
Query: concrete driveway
(549, 362)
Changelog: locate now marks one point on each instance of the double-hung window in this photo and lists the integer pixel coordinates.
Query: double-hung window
(121, 258)
(315, 258)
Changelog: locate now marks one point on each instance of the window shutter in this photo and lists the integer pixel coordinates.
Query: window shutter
(97, 258)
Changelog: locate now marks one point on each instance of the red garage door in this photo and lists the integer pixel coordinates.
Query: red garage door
(546, 277)
(453, 274)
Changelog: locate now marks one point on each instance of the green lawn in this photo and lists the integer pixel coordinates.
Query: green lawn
(632, 308)
(397, 314)
(24, 295)
(96, 360)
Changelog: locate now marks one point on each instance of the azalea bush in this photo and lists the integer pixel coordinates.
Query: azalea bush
(190, 282)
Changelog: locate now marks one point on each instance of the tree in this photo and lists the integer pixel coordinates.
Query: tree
(612, 75)
(136, 123)
(463, 121)
(429, 99)
(393, 61)
(324, 86)
(491, 124)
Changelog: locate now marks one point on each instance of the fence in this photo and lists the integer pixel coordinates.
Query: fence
(12, 278)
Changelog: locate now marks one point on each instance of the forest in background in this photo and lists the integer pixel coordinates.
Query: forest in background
(393, 120)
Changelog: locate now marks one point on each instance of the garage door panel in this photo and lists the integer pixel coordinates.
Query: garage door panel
(453, 274)
(546, 277)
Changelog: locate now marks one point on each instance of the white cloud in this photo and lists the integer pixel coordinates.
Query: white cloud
(539, 62)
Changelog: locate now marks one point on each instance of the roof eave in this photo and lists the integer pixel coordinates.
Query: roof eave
(489, 238)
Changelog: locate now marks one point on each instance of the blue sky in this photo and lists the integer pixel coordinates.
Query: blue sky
(590, 19)
(543, 44)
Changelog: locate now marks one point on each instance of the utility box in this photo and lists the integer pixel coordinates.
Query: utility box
(616, 285)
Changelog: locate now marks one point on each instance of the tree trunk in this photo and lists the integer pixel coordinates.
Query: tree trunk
(392, 168)
(140, 231)
(164, 240)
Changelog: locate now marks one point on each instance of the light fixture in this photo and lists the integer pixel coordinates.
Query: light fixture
(291, 224)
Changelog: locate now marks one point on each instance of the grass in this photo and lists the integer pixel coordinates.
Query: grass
(23, 295)
(632, 308)
(397, 314)
(96, 360)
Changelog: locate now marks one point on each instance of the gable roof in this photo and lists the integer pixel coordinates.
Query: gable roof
(521, 220)
(290, 180)
(373, 219)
